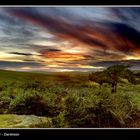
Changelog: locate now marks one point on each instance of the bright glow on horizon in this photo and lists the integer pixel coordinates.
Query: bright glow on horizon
(68, 39)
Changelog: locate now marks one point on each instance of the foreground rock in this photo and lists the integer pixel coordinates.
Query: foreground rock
(24, 121)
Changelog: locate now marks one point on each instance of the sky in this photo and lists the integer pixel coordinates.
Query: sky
(59, 39)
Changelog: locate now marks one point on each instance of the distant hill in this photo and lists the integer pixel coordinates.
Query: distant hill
(7, 75)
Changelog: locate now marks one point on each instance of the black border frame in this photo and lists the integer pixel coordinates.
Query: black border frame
(71, 133)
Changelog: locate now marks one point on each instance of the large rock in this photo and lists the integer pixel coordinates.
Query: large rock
(24, 121)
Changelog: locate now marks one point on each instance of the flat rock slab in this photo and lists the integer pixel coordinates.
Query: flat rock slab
(24, 121)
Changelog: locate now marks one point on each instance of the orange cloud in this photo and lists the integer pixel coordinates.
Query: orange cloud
(61, 56)
(103, 41)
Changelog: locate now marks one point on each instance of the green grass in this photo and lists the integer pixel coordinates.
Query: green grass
(67, 99)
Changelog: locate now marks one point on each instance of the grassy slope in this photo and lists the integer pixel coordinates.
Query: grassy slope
(54, 78)
(78, 85)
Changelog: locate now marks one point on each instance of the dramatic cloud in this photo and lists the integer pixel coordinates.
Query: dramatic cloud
(82, 38)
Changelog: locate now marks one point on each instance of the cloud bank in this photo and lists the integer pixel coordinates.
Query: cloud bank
(71, 38)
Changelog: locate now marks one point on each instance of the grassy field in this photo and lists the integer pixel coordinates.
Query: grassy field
(68, 100)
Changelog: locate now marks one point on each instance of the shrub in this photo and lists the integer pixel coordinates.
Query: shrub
(35, 85)
(4, 105)
(33, 103)
(80, 111)
(75, 111)
(28, 104)
(119, 108)
(60, 121)
(4, 102)
(97, 111)
(91, 111)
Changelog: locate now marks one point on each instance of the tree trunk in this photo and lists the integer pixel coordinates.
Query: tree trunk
(114, 87)
(100, 86)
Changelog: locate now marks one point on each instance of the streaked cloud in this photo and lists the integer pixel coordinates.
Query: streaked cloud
(69, 38)
(18, 53)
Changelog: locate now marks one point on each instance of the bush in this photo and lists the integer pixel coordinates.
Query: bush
(91, 111)
(35, 85)
(33, 103)
(80, 111)
(97, 111)
(60, 121)
(4, 102)
(119, 109)
(75, 111)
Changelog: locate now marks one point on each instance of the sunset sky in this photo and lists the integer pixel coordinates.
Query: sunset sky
(68, 38)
